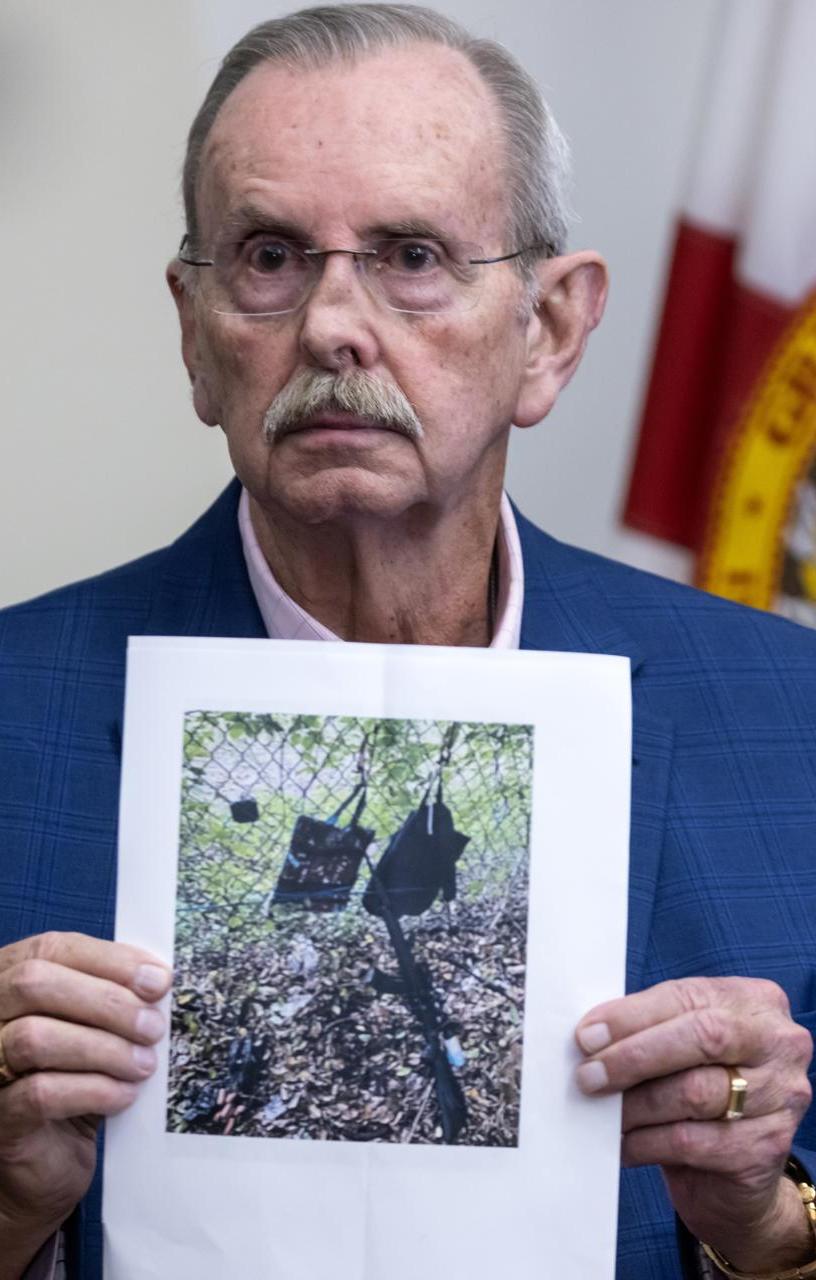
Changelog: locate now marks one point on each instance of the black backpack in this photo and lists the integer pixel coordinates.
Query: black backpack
(419, 861)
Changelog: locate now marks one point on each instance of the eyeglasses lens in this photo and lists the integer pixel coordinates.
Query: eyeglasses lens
(270, 276)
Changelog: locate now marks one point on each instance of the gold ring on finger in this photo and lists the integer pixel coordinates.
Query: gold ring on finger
(7, 1076)
(738, 1091)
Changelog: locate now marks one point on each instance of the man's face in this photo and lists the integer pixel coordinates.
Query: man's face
(340, 155)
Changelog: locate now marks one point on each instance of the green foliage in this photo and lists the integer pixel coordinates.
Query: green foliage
(296, 764)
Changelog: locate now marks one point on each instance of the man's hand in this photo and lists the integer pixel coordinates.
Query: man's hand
(77, 1027)
(666, 1050)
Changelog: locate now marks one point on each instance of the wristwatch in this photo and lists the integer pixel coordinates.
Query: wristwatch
(807, 1192)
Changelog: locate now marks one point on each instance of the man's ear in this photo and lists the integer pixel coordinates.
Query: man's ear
(203, 399)
(572, 293)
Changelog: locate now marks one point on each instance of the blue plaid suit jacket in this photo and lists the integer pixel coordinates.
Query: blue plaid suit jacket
(723, 850)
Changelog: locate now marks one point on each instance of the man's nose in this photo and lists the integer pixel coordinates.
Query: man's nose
(339, 316)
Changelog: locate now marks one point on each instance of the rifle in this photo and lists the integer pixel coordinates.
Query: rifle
(415, 987)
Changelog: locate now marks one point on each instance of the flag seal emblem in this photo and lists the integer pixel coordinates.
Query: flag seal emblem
(760, 541)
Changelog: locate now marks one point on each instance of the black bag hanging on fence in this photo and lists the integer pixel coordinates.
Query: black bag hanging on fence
(324, 859)
(420, 860)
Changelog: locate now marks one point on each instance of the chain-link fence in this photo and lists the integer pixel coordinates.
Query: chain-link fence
(293, 1015)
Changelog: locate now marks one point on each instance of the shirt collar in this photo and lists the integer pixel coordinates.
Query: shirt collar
(284, 619)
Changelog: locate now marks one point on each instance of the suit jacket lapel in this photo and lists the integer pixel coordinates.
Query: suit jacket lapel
(204, 589)
(566, 608)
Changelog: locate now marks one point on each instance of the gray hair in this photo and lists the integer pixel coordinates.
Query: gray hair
(536, 153)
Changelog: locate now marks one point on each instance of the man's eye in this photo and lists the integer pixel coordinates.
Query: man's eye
(413, 256)
(270, 256)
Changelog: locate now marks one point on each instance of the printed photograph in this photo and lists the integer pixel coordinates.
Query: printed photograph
(351, 929)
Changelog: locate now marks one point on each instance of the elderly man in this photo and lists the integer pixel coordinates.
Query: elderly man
(373, 287)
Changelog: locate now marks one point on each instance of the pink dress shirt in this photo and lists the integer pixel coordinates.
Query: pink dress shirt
(284, 619)
(49, 1263)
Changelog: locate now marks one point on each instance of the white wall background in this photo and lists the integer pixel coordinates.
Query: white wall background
(102, 457)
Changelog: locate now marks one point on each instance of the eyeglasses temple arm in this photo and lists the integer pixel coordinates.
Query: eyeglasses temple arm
(506, 257)
(192, 262)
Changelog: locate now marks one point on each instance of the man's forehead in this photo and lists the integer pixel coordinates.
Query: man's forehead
(418, 121)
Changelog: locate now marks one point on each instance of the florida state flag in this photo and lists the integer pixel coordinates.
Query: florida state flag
(726, 459)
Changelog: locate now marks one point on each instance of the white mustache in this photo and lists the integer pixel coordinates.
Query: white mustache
(314, 391)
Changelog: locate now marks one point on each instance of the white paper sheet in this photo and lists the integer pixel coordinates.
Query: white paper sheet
(207, 1205)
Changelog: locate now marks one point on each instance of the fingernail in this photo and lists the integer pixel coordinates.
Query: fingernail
(149, 1023)
(591, 1077)
(151, 979)
(144, 1058)
(594, 1037)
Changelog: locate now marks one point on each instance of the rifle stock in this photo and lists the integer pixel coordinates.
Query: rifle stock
(420, 998)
